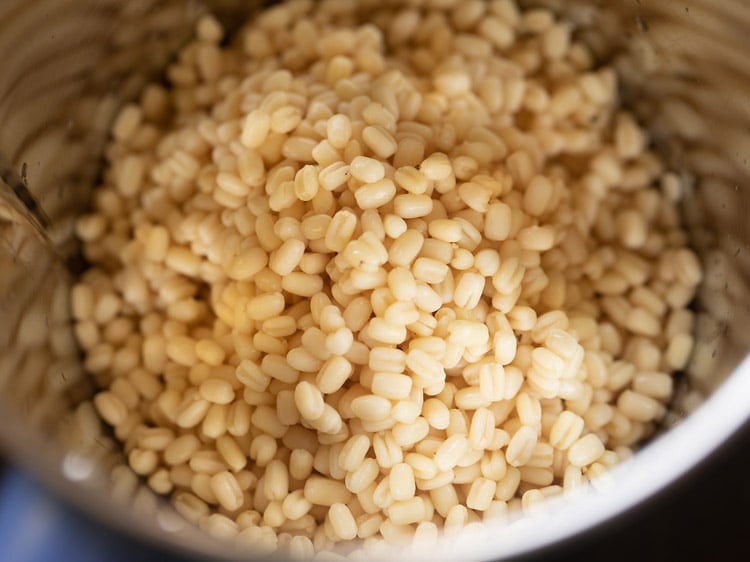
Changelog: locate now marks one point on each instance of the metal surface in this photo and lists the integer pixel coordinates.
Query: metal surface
(68, 64)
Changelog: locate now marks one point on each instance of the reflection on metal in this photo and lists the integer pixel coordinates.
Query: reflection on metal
(78, 468)
(170, 522)
(14, 191)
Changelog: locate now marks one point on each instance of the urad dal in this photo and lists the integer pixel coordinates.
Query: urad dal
(381, 269)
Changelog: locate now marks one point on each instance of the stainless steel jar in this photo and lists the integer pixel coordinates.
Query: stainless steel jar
(67, 65)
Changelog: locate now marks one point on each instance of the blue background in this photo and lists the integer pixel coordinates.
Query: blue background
(34, 527)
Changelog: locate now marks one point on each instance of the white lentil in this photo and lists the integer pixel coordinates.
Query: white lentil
(521, 446)
(367, 170)
(342, 521)
(325, 491)
(392, 386)
(227, 491)
(450, 451)
(110, 408)
(585, 451)
(413, 205)
(333, 374)
(639, 407)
